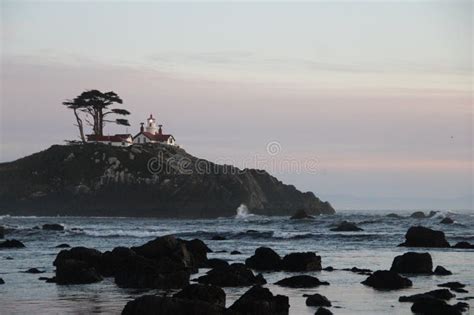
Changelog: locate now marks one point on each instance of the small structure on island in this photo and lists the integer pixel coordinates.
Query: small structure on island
(118, 140)
(152, 134)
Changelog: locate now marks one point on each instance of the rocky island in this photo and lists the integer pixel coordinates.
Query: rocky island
(142, 180)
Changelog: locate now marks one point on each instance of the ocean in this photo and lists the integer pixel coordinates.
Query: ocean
(373, 248)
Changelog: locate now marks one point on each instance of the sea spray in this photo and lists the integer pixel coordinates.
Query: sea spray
(242, 212)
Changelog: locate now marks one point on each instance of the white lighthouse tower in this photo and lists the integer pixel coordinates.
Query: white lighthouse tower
(151, 125)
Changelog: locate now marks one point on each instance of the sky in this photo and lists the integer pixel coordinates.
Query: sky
(367, 104)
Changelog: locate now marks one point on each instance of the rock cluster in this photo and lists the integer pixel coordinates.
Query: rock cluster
(266, 258)
(419, 236)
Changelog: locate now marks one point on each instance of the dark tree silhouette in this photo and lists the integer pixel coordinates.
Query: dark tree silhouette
(95, 105)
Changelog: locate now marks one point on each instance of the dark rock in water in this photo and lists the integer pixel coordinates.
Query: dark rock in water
(218, 238)
(217, 263)
(432, 213)
(260, 301)
(53, 227)
(452, 285)
(2, 232)
(419, 236)
(235, 252)
(465, 245)
(329, 268)
(153, 305)
(199, 251)
(435, 307)
(394, 215)
(220, 251)
(466, 298)
(387, 280)
(418, 215)
(64, 245)
(9, 258)
(12, 244)
(301, 214)
(34, 270)
(234, 275)
(78, 265)
(317, 300)
(323, 311)
(441, 294)
(36, 228)
(71, 271)
(166, 246)
(459, 290)
(197, 197)
(301, 262)
(264, 259)
(346, 226)
(413, 263)
(447, 220)
(2, 281)
(301, 281)
(203, 292)
(360, 271)
(441, 271)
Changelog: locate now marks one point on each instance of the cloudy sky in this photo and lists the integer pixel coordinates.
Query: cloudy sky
(369, 105)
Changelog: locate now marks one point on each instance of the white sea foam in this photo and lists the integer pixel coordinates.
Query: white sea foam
(243, 212)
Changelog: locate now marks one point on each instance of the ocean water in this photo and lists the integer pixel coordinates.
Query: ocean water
(373, 248)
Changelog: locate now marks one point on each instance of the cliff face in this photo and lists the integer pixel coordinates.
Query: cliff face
(161, 181)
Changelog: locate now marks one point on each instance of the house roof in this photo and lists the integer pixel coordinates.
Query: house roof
(155, 137)
(114, 138)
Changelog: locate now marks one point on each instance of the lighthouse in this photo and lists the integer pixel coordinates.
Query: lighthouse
(151, 125)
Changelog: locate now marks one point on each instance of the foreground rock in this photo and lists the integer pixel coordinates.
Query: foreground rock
(260, 301)
(72, 271)
(441, 271)
(441, 294)
(317, 300)
(437, 307)
(12, 244)
(323, 311)
(53, 227)
(216, 263)
(465, 245)
(346, 226)
(307, 261)
(447, 220)
(301, 214)
(264, 259)
(2, 281)
(203, 292)
(419, 236)
(452, 285)
(2, 232)
(234, 275)
(301, 281)
(157, 305)
(413, 263)
(199, 251)
(387, 280)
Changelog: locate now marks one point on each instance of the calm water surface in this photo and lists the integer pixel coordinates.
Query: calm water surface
(373, 248)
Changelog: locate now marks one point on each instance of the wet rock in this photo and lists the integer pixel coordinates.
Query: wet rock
(12, 244)
(452, 285)
(234, 275)
(301, 214)
(346, 226)
(2, 232)
(361, 271)
(264, 258)
(203, 292)
(153, 305)
(459, 290)
(92, 257)
(53, 227)
(466, 298)
(329, 268)
(218, 238)
(394, 215)
(435, 307)
(441, 294)
(235, 252)
(317, 300)
(447, 220)
(199, 251)
(419, 236)
(9, 258)
(418, 215)
(216, 263)
(323, 311)
(441, 271)
(301, 281)
(465, 245)
(260, 301)
(413, 263)
(301, 262)
(387, 280)
(64, 245)
(34, 270)
(71, 271)
(2, 281)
